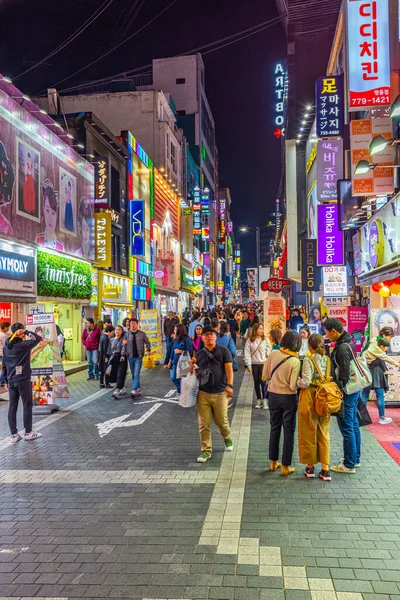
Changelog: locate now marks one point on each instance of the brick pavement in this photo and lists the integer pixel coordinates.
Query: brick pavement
(132, 515)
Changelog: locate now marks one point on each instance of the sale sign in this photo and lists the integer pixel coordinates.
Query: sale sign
(5, 311)
(368, 48)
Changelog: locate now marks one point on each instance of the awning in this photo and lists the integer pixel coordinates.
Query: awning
(383, 275)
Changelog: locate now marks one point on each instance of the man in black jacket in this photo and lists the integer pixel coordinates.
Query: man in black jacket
(342, 356)
(17, 371)
(169, 326)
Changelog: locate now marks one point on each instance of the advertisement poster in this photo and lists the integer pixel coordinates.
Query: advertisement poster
(274, 314)
(341, 313)
(252, 284)
(390, 317)
(48, 377)
(46, 188)
(358, 320)
(329, 94)
(335, 281)
(150, 324)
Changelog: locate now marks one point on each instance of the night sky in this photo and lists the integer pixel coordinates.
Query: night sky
(239, 78)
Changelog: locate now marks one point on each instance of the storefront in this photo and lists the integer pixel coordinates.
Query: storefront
(115, 300)
(142, 285)
(64, 287)
(17, 280)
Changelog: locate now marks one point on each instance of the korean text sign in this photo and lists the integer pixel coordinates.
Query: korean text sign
(330, 238)
(368, 49)
(329, 169)
(137, 225)
(335, 281)
(102, 182)
(329, 106)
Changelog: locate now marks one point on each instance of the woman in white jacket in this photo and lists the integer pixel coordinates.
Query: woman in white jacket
(256, 352)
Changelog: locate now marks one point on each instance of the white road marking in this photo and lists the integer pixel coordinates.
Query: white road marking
(107, 426)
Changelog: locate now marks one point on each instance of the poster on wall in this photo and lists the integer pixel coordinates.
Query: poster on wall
(274, 314)
(48, 376)
(46, 188)
(340, 313)
(358, 320)
(390, 317)
(252, 284)
(150, 324)
(334, 281)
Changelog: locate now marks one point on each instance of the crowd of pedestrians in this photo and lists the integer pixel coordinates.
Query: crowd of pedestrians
(293, 376)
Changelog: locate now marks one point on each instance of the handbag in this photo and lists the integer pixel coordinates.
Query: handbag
(363, 415)
(328, 397)
(360, 375)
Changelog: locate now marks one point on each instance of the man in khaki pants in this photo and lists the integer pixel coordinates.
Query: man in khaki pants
(215, 375)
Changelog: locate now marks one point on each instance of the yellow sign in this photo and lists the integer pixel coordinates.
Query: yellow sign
(102, 233)
(312, 157)
(115, 287)
(150, 324)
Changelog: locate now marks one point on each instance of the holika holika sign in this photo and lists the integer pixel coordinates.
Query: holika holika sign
(61, 277)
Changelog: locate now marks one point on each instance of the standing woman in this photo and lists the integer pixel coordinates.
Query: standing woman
(126, 324)
(104, 355)
(197, 342)
(118, 364)
(182, 343)
(282, 371)
(314, 440)
(256, 352)
(304, 334)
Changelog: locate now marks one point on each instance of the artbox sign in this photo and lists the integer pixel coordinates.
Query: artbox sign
(137, 227)
(379, 180)
(335, 282)
(368, 49)
(310, 273)
(279, 90)
(329, 111)
(330, 238)
(329, 168)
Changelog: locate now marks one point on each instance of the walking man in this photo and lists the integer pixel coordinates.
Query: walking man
(17, 372)
(136, 343)
(169, 325)
(215, 375)
(348, 423)
(91, 339)
(244, 325)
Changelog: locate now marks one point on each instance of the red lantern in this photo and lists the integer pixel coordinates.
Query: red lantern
(377, 286)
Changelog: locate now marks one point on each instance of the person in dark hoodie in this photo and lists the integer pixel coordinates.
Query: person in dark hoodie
(17, 371)
(349, 426)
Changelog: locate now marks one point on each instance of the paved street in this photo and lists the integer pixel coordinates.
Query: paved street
(110, 503)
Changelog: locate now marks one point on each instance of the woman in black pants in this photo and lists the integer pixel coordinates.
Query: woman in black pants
(256, 351)
(282, 371)
(118, 366)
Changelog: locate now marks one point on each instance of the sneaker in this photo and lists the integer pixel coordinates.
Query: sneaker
(228, 445)
(265, 405)
(15, 438)
(341, 468)
(32, 436)
(325, 475)
(230, 405)
(309, 472)
(90, 378)
(203, 457)
(357, 464)
(135, 393)
(287, 471)
(109, 387)
(259, 404)
(274, 465)
(385, 421)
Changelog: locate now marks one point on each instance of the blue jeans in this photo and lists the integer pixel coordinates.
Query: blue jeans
(380, 400)
(93, 362)
(135, 365)
(2, 378)
(350, 430)
(174, 378)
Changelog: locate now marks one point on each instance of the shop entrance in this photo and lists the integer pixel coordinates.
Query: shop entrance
(68, 317)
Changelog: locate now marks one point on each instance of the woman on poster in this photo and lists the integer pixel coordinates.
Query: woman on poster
(29, 199)
(85, 227)
(50, 209)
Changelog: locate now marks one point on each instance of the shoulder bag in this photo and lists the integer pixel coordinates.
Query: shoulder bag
(360, 375)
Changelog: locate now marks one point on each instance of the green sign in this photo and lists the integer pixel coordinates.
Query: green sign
(59, 276)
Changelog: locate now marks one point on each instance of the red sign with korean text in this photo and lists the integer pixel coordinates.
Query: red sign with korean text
(368, 46)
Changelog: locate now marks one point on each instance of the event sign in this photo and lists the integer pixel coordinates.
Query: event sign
(368, 50)
(330, 239)
(334, 281)
(137, 227)
(341, 313)
(310, 273)
(329, 111)
(329, 169)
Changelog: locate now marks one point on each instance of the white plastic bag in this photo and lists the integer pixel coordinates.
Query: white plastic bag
(183, 366)
(189, 391)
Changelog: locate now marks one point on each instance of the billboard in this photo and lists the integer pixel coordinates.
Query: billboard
(252, 283)
(329, 169)
(329, 112)
(46, 189)
(102, 182)
(310, 273)
(137, 221)
(330, 240)
(368, 50)
(103, 234)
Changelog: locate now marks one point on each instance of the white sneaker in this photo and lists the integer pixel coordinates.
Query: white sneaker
(259, 404)
(32, 436)
(385, 421)
(15, 438)
(265, 405)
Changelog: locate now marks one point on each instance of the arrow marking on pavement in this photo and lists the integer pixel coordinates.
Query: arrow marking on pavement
(107, 426)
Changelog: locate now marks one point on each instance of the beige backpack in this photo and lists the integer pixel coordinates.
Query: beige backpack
(328, 397)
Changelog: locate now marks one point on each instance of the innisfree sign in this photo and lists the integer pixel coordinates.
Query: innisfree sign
(59, 276)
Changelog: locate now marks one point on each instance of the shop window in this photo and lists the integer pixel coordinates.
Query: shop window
(115, 190)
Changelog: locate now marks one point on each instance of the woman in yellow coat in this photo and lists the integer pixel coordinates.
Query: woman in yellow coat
(314, 440)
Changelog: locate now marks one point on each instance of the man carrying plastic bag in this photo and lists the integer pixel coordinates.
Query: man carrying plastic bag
(215, 378)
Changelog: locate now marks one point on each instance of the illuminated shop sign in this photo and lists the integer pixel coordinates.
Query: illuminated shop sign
(137, 221)
(102, 182)
(102, 234)
(330, 239)
(329, 111)
(196, 219)
(368, 48)
(279, 90)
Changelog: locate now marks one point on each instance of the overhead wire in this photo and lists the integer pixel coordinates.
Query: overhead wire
(99, 11)
(139, 5)
(118, 45)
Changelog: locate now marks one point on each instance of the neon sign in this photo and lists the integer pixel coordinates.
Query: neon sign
(137, 227)
(279, 91)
